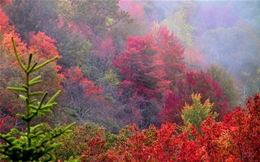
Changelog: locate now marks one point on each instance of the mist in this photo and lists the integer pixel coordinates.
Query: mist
(227, 32)
(185, 44)
(147, 80)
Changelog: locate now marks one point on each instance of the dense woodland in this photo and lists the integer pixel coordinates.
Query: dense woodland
(144, 80)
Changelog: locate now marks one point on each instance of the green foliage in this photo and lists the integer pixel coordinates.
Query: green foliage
(100, 16)
(109, 124)
(226, 83)
(111, 78)
(73, 144)
(73, 48)
(178, 23)
(196, 113)
(33, 144)
(32, 16)
(77, 142)
(252, 85)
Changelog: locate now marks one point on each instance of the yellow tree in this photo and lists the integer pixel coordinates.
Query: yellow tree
(196, 113)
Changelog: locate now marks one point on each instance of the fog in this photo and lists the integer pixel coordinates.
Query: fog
(91, 37)
(227, 32)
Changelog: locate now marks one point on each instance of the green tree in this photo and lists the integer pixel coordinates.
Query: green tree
(32, 144)
(99, 16)
(178, 23)
(252, 85)
(196, 113)
(226, 82)
(33, 16)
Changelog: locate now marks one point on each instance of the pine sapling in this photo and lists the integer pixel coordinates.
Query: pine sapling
(32, 144)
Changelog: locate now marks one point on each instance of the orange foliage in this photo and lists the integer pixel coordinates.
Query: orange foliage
(43, 46)
(7, 44)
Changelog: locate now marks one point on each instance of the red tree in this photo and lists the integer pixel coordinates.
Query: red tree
(243, 127)
(75, 78)
(4, 21)
(149, 66)
(170, 51)
(194, 82)
(140, 73)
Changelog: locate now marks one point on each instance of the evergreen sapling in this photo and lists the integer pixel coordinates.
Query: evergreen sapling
(32, 144)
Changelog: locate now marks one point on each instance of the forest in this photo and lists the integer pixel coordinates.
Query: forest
(143, 80)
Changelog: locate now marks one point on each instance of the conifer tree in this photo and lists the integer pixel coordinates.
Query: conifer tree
(32, 144)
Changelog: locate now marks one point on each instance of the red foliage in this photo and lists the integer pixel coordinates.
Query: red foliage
(201, 82)
(244, 131)
(170, 51)
(171, 110)
(4, 22)
(133, 8)
(90, 89)
(235, 139)
(138, 67)
(194, 57)
(75, 77)
(151, 62)
(194, 82)
(105, 50)
(96, 150)
(149, 67)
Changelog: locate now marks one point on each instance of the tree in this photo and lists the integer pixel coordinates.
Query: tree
(150, 67)
(71, 45)
(43, 46)
(196, 113)
(243, 129)
(33, 144)
(226, 83)
(87, 99)
(12, 75)
(141, 74)
(194, 82)
(230, 140)
(170, 51)
(177, 23)
(27, 16)
(98, 16)
(80, 91)
(252, 84)
(194, 58)
(4, 22)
